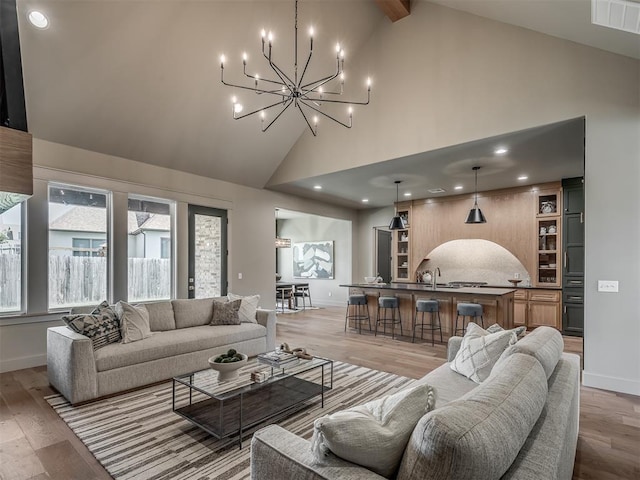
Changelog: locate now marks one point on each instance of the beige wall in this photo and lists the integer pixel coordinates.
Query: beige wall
(443, 77)
(251, 233)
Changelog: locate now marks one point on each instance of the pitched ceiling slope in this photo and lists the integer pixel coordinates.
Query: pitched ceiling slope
(444, 77)
(141, 80)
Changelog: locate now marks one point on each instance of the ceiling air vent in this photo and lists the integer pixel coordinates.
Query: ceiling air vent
(436, 190)
(619, 14)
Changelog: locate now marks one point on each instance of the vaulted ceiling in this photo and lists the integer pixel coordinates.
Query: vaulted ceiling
(141, 79)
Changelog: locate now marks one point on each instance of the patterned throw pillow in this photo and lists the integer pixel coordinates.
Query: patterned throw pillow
(248, 307)
(480, 351)
(519, 331)
(101, 325)
(375, 434)
(226, 313)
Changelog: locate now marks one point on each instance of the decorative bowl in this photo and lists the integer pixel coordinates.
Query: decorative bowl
(227, 371)
(370, 279)
(515, 281)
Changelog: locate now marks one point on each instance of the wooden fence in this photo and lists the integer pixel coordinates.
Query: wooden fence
(83, 280)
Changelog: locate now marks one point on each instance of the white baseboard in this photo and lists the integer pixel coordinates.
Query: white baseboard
(22, 362)
(615, 384)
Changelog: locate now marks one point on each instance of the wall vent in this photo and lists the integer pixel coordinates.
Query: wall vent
(436, 190)
(619, 14)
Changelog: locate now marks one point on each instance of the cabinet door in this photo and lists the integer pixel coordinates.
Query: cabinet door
(573, 319)
(573, 246)
(544, 313)
(573, 201)
(520, 313)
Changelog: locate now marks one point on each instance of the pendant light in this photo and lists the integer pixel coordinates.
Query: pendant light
(397, 223)
(475, 214)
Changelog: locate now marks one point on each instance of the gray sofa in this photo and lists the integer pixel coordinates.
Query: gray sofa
(182, 342)
(520, 423)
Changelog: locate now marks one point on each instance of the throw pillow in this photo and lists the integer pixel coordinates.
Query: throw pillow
(519, 331)
(248, 307)
(480, 351)
(226, 313)
(101, 325)
(134, 322)
(373, 435)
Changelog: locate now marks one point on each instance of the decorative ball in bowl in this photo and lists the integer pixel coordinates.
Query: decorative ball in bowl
(228, 364)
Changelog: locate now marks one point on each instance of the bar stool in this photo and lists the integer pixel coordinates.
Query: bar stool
(361, 311)
(386, 303)
(471, 310)
(431, 307)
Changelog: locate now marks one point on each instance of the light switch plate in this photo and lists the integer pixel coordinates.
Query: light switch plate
(610, 286)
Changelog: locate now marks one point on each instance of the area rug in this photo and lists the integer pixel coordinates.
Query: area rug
(286, 310)
(137, 436)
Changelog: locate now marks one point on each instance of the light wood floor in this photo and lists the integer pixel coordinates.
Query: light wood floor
(36, 444)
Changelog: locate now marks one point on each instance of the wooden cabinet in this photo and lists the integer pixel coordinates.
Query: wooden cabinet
(402, 271)
(573, 256)
(549, 239)
(537, 307)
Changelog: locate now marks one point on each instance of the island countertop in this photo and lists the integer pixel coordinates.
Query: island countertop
(497, 303)
(425, 288)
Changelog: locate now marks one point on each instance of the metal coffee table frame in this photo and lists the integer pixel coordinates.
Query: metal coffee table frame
(230, 408)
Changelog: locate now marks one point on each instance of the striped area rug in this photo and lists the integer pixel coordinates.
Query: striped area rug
(137, 436)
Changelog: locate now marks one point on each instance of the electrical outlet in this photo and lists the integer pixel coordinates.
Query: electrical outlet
(239, 276)
(610, 286)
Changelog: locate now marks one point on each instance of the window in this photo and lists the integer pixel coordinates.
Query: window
(88, 247)
(78, 241)
(150, 257)
(11, 260)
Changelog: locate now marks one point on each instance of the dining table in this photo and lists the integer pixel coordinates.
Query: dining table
(285, 291)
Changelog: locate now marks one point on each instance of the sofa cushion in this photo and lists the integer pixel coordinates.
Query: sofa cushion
(373, 435)
(480, 351)
(175, 342)
(248, 307)
(519, 331)
(226, 312)
(101, 325)
(161, 316)
(544, 343)
(134, 322)
(450, 385)
(192, 312)
(479, 435)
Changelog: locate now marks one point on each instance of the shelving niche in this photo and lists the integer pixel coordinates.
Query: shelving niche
(402, 246)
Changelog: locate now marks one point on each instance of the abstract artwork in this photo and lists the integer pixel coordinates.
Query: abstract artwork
(313, 259)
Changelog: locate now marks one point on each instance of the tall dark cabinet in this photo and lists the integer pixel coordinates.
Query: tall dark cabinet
(573, 256)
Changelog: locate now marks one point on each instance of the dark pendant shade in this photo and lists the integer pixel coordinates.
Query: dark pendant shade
(475, 216)
(397, 223)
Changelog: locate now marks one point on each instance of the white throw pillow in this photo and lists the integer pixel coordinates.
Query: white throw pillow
(248, 307)
(480, 351)
(373, 435)
(134, 322)
(519, 331)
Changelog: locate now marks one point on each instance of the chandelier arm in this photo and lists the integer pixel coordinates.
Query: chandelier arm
(260, 79)
(277, 116)
(344, 102)
(278, 71)
(305, 66)
(253, 89)
(262, 109)
(347, 125)
(305, 118)
(322, 81)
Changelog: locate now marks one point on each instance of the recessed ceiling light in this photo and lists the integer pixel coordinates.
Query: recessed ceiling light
(436, 190)
(38, 19)
(522, 177)
(458, 187)
(317, 187)
(500, 151)
(407, 194)
(365, 200)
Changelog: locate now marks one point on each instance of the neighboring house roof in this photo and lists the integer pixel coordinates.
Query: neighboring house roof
(81, 219)
(91, 219)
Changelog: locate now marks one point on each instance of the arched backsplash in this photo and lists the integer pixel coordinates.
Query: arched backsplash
(474, 260)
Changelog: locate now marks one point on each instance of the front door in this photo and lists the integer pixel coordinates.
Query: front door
(207, 252)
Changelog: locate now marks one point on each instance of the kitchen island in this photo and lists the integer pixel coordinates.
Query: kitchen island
(497, 303)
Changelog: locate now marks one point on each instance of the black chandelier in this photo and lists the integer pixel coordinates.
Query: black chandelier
(309, 96)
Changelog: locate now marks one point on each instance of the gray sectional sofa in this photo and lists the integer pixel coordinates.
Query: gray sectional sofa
(182, 342)
(520, 423)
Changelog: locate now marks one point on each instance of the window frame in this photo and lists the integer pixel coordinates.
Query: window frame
(22, 307)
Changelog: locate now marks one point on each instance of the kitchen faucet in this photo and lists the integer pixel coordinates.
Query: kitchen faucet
(433, 277)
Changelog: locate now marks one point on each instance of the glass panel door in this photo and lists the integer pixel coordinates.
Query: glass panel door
(207, 252)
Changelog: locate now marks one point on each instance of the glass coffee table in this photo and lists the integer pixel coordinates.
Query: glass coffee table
(224, 409)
